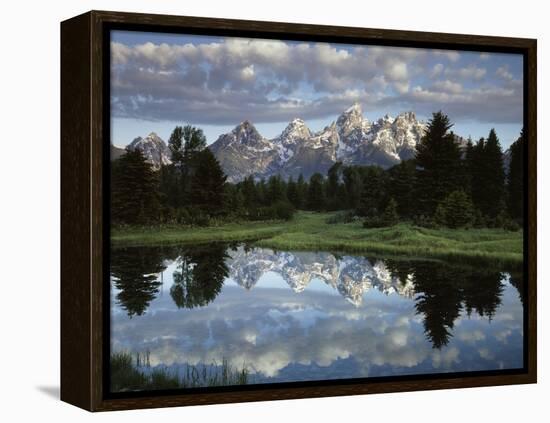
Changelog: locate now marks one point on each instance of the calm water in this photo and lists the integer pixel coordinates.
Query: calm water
(294, 316)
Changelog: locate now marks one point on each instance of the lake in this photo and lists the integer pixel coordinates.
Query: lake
(301, 316)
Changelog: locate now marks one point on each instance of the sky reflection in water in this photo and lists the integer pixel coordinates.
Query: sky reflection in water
(312, 316)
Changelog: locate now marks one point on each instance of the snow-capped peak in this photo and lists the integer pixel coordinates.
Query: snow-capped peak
(296, 129)
(407, 116)
(153, 148)
(246, 131)
(351, 138)
(355, 108)
(352, 117)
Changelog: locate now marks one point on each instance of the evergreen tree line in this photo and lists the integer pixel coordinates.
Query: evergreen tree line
(445, 184)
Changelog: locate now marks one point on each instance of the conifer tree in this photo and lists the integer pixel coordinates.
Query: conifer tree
(316, 195)
(439, 167)
(515, 179)
(455, 211)
(250, 194)
(293, 194)
(467, 164)
(208, 183)
(476, 169)
(354, 186)
(401, 187)
(390, 216)
(491, 183)
(335, 191)
(276, 190)
(134, 190)
(374, 191)
(302, 189)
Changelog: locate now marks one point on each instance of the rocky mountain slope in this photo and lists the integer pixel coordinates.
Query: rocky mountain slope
(350, 276)
(351, 139)
(153, 148)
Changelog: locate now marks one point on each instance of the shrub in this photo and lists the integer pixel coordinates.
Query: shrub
(373, 222)
(504, 221)
(455, 211)
(479, 220)
(346, 216)
(279, 210)
(424, 221)
(390, 216)
(283, 210)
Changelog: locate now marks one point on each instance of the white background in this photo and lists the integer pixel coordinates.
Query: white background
(29, 209)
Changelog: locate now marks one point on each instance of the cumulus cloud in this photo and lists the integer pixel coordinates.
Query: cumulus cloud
(504, 73)
(228, 80)
(273, 329)
(450, 55)
(437, 70)
(470, 72)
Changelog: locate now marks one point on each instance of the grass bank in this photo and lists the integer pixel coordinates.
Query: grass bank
(127, 377)
(309, 231)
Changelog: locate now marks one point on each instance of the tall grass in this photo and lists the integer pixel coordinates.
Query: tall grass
(171, 235)
(310, 231)
(127, 375)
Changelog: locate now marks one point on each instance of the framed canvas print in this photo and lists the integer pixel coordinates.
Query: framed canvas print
(259, 211)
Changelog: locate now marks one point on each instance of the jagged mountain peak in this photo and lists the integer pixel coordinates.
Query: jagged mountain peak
(355, 108)
(406, 116)
(350, 276)
(246, 131)
(351, 118)
(153, 148)
(351, 138)
(296, 129)
(386, 120)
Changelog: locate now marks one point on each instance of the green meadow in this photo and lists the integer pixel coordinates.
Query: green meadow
(310, 231)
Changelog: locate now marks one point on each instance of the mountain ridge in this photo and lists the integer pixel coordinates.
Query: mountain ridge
(350, 138)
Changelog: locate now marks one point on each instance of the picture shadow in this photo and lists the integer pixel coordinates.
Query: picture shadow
(50, 391)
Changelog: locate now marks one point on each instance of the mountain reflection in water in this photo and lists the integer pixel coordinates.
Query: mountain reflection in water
(343, 316)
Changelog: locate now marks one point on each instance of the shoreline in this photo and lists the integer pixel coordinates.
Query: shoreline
(309, 231)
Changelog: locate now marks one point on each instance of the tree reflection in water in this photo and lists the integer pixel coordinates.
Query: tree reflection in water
(135, 273)
(199, 277)
(442, 291)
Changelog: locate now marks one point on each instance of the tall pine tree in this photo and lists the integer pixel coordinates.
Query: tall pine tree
(134, 190)
(515, 179)
(439, 167)
(293, 194)
(208, 183)
(302, 189)
(316, 194)
(401, 187)
(492, 178)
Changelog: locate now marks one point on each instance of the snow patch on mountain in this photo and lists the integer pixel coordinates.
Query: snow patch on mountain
(350, 276)
(153, 148)
(351, 138)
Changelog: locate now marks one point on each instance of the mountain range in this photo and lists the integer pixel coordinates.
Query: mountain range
(351, 139)
(350, 276)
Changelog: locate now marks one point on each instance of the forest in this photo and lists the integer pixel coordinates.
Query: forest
(447, 184)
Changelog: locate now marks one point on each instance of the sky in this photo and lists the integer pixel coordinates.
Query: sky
(159, 81)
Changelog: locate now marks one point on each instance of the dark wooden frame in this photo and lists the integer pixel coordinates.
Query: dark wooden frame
(83, 221)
